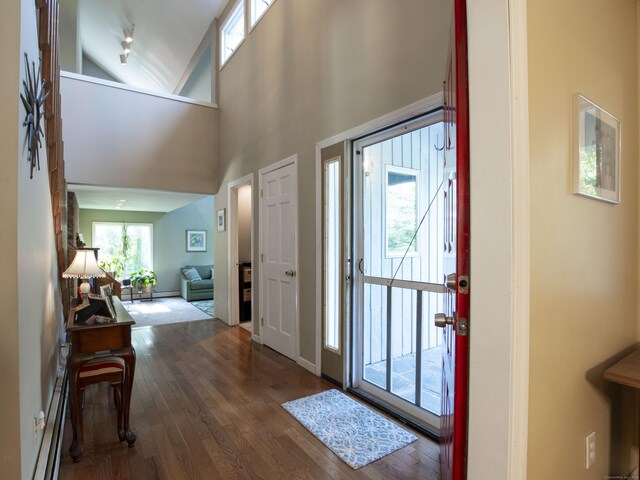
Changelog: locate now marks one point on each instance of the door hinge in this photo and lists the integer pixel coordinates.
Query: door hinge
(262, 321)
(262, 257)
(462, 328)
(261, 193)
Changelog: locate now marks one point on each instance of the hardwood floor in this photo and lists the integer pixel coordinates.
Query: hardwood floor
(206, 405)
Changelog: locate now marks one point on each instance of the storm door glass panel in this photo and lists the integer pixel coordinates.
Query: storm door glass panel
(400, 266)
(403, 343)
(375, 335)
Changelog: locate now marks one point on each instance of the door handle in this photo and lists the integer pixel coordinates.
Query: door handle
(450, 281)
(441, 320)
(290, 273)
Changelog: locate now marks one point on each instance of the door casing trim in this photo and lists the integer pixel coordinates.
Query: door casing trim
(232, 246)
(403, 114)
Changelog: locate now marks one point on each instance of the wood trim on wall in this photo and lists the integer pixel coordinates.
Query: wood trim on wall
(48, 13)
(521, 265)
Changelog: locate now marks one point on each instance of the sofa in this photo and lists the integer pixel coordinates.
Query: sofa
(195, 289)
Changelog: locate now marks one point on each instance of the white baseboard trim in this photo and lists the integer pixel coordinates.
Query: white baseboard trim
(256, 338)
(166, 294)
(307, 365)
(48, 464)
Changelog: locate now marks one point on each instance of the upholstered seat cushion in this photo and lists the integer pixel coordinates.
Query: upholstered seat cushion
(201, 284)
(101, 366)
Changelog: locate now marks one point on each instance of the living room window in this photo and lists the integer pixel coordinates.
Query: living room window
(232, 32)
(125, 248)
(257, 9)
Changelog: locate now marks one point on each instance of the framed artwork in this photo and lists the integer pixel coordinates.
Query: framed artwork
(196, 240)
(105, 290)
(104, 305)
(596, 163)
(221, 220)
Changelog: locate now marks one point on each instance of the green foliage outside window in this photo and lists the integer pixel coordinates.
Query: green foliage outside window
(124, 248)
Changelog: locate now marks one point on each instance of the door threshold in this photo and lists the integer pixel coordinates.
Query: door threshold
(397, 414)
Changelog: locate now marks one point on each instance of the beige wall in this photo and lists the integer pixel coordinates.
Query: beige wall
(310, 70)
(10, 56)
(584, 268)
(124, 138)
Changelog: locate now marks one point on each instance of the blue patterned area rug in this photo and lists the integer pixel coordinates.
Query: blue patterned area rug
(205, 305)
(352, 431)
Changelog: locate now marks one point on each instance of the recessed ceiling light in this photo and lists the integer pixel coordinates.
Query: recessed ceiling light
(123, 59)
(126, 47)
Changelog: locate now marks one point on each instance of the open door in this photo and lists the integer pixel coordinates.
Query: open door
(455, 317)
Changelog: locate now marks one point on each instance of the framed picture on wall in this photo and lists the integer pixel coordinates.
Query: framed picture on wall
(221, 220)
(196, 240)
(596, 165)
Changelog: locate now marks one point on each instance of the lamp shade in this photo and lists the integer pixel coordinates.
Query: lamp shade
(84, 265)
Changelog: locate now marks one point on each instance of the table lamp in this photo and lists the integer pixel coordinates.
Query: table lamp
(84, 266)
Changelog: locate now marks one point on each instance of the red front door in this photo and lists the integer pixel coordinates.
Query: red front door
(455, 318)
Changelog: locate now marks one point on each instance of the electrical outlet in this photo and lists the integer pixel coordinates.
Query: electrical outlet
(590, 450)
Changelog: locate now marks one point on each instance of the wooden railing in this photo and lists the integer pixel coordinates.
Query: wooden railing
(48, 21)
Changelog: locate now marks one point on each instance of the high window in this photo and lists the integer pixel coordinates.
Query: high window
(232, 32)
(257, 9)
(125, 248)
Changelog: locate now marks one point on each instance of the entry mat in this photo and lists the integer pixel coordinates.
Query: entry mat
(352, 431)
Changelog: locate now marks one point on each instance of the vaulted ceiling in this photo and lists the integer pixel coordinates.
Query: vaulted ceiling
(167, 34)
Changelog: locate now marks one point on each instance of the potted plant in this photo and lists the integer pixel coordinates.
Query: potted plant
(144, 280)
(114, 265)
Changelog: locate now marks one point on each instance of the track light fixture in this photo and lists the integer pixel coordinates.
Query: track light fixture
(126, 44)
(128, 33)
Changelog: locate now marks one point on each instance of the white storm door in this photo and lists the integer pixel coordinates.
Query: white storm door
(279, 280)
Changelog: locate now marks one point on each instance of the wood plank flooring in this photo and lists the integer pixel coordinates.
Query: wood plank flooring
(206, 405)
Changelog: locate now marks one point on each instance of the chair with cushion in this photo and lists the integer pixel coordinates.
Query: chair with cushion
(196, 282)
(100, 369)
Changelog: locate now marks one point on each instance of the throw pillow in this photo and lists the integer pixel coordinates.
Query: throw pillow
(191, 274)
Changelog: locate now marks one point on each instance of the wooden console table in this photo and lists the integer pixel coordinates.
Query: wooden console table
(626, 371)
(87, 341)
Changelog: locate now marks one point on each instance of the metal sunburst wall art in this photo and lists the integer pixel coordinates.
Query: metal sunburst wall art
(33, 100)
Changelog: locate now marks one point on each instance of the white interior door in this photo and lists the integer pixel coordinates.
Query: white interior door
(278, 267)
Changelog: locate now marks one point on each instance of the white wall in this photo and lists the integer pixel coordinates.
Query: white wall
(39, 301)
(118, 137)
